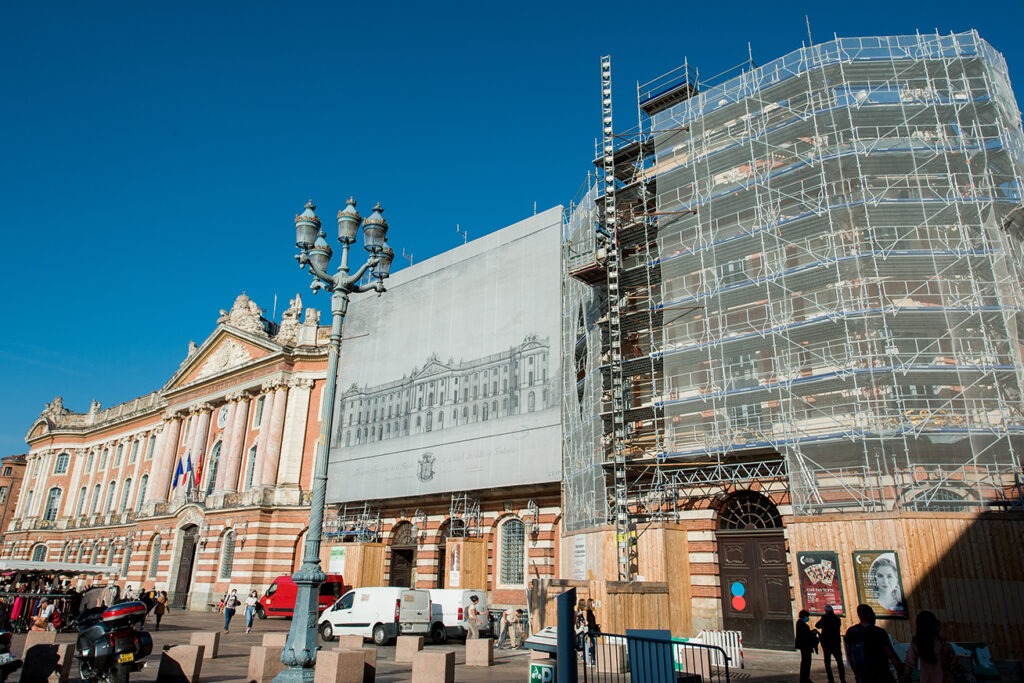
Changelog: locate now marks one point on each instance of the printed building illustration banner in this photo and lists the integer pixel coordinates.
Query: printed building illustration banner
(820, 583)
(879, 583)
(452, 380)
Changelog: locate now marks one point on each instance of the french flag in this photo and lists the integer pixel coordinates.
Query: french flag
(178, 471)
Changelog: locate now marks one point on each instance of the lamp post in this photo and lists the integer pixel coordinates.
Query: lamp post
(299, 654)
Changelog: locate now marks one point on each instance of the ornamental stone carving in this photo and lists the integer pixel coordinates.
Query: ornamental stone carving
(229, 354)
(245, 315)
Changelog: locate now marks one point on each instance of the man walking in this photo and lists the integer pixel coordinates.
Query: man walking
(869, 651)
(830, 627)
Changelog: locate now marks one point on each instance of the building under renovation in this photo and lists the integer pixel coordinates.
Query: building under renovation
(793, 310)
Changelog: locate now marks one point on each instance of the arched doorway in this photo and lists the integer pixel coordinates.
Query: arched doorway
(442, 553)
(186, 563)
(754, 572)
(403, 555)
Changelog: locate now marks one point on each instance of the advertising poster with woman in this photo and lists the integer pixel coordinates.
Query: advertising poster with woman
(820, 584)
(879, 583)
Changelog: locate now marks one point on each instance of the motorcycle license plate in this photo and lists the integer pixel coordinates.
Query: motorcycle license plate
(126, 658)
(5, 657)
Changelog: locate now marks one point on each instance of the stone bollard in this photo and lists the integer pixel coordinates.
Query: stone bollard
(180, 664)
(479, 652)
(275, 640)
(406, 648)
(208, 639)
(339, 666)
(611, 659)
(350, 642)
(264, 663)
(48, 662)
(434, 666)
(33, 638)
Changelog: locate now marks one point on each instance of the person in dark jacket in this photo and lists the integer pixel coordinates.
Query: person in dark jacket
(830, 627)
(806, 643)
(869, 650)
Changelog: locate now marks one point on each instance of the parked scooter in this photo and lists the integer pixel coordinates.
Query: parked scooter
(8, 662)
(111, 642)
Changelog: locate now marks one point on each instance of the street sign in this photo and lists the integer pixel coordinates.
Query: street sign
(542, 672)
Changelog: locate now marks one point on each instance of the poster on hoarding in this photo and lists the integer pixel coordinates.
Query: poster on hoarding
(336, 560)
(820, 584)
(879, 583)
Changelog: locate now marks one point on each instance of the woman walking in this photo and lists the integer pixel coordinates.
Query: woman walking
(230, 605)
(930, 652)
(160, 607)
(250, 609)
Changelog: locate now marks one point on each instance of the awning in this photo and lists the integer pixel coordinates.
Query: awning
(65, 568)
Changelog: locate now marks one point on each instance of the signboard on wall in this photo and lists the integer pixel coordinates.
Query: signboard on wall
(579, 557)
(455, 565)
(820, 583)
(336, 560)
(452, 380)
(879, 583)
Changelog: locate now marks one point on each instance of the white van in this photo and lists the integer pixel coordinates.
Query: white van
(450, 610)
(381, 613)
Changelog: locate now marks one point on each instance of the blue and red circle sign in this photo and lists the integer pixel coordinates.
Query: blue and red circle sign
(738, 590)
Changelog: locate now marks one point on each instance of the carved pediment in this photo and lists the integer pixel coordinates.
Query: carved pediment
(224, 351)
(229, 354)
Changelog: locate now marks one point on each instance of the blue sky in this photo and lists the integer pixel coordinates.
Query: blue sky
(153, 155)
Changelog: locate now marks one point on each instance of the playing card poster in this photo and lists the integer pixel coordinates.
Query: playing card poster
(819, 581)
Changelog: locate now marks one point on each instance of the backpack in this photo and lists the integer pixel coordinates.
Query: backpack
(57, 620)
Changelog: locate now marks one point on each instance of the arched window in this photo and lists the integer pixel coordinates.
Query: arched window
(214, 462)
(88, 461)
(103, 458)
(94, 506)
(52, 504)
(747, 511)
(39, 553)
(227, 555)
(135, 452)
(65, 552)
(61, 466)
(126, 494)
(82, 495)
(251, 471)
(117, 456)
(143, 484)
(111, 487)
(531, 402)
(513, 551)
(152, 447)
(154, 558)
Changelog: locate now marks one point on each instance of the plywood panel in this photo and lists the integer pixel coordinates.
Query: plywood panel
(364, 564)
(467, 563)
(968, 569)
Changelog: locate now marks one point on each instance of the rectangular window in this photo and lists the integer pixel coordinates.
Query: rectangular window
(257, 417)
(7, 471)
(3, 494)
(152, 446)
(117, 456)
(135, 452)
(61, 467)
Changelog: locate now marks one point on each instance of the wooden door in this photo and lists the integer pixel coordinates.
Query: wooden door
(755, 587)
(189, 540)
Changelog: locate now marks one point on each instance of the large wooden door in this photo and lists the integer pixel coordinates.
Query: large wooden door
(754, 572)
(403, 556)
(189, 540)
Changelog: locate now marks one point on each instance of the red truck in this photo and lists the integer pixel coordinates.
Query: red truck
(279, 598)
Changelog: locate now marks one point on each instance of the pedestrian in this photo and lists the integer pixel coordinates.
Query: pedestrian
(579, 624)
(830, 627)
(593, 631)
(129, 593)
(869, 651)
(806, 642)
(930, 653)
(473, 618)
(42, 620)
(250, 609)
(508, 618)
(160, 606)
(231, 603)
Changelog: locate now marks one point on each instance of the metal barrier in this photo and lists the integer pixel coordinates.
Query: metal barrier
(610, 658)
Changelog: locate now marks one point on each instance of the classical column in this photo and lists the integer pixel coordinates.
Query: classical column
(293, 443)
(201, 436)
(271, 450)
(234, 446)
(162, 469)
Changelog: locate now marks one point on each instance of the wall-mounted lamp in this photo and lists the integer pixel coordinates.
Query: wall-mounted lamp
(531, 520)
(242, 531)
(419, 526)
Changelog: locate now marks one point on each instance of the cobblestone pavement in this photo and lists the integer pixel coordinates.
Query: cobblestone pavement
(232, 663)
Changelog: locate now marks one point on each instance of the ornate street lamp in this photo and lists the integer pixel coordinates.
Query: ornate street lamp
(299, 654)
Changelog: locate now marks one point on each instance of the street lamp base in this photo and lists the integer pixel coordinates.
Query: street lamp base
(296, 674)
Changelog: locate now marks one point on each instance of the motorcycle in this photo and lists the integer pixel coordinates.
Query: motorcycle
(111, 641)
(8, 662)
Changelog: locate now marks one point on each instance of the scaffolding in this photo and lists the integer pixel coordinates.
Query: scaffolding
(817, 284)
